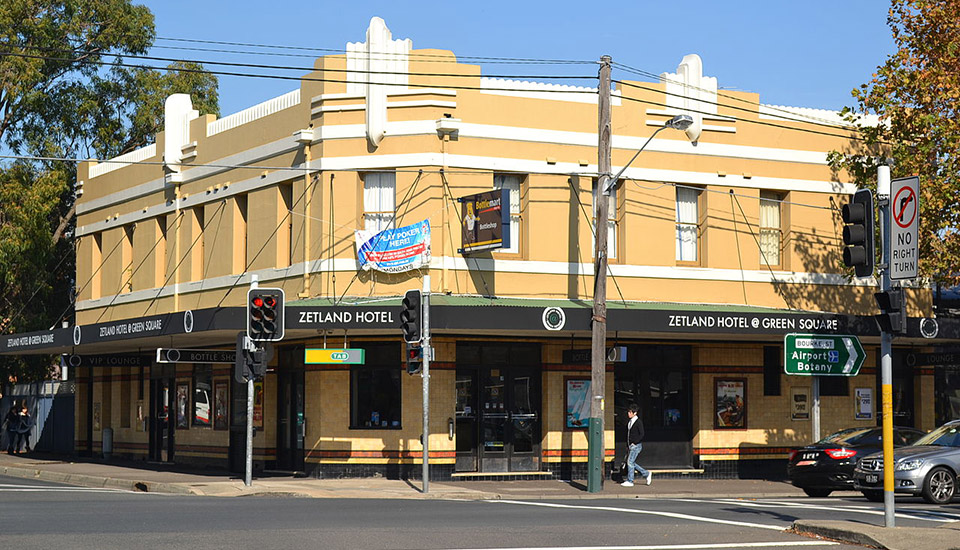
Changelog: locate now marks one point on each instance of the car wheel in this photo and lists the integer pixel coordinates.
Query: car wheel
(939, 486)
(817, 493)
(873, 496)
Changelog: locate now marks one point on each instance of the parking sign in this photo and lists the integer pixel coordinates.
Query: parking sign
(904, 221)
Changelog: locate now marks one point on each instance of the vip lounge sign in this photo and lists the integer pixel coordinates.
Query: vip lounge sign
(485, 221)
(822, 355)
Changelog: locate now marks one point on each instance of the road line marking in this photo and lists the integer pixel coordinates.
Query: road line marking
(647, 512)
(677, 546)
(904, 513)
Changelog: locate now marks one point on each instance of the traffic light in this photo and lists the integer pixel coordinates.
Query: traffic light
(414, 358)
(411, 317)
(858, 233)
(265, 314)
(242, 369)
(891, 318)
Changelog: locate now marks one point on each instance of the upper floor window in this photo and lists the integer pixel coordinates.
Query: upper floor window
(379, 200)
(511, 182)
(611, 221)
(688, 224)
(770, 231)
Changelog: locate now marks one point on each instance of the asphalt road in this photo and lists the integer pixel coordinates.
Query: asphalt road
(46, 515)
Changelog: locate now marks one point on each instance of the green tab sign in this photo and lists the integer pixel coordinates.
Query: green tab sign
(822, 354)
(333, 356)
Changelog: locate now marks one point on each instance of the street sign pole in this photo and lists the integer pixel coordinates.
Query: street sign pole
(886, 348)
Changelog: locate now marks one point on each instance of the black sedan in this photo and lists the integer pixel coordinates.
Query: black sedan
(828, 464)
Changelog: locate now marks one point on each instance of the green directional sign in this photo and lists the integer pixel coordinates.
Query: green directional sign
(822, 354)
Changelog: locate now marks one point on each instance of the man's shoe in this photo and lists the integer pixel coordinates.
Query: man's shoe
(627, 484)
(649, 477)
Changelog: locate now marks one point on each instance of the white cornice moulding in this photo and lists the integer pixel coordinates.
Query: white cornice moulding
(501, 266)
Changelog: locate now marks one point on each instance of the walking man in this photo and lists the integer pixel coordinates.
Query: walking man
(634, 437)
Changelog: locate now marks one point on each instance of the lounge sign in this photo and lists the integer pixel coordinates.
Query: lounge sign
(485, 221)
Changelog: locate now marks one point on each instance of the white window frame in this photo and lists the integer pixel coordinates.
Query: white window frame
(688, 224)
(379, 200)
(514, 183)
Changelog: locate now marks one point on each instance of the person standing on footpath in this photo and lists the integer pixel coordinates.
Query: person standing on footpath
(634, 437)
(26, 425)
(12, 421)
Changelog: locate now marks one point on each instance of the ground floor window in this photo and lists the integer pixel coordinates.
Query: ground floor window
(202, 394)
(375, 387)
(947, 391)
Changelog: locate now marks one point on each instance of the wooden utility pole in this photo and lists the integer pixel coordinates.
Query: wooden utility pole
(598, 359)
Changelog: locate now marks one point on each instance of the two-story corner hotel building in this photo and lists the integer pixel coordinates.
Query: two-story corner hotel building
(718, 248)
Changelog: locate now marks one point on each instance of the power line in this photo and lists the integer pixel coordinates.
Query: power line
(422, 55)
(649, 74)
(282, 77)
(301, 68)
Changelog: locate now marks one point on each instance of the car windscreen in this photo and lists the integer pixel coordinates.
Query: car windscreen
(947, 435)
(848, 436)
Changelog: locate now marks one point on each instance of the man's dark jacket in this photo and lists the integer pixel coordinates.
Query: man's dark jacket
(635, 432)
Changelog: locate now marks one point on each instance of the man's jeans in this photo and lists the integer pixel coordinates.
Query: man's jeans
(632, 465)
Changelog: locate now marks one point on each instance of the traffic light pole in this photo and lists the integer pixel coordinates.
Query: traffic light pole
(248, 461)
(425, 375)
(886, 348)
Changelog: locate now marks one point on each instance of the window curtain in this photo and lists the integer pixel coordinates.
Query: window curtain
(511, 183)
(770, 229)
(611, 222)
(687, 224)
(379, 200)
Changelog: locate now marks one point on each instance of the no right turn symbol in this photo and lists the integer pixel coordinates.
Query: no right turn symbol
(904, 207)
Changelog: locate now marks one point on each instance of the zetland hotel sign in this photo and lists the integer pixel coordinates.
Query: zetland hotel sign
(485, 221)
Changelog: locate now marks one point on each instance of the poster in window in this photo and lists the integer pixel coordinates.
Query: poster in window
(864, 403)
(220, 405)
(96, 417)
(730, 403)
(183, 398)
(485, 220)
(800, 403)
(258, 404)
(577, 403)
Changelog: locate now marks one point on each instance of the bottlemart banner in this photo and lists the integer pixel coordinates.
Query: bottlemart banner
(394, 250)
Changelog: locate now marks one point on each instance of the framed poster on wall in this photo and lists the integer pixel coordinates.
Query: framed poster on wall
(800, 403)
(864, 403)
(183, 399)
(220, 400)
(730, 403)
(576, 403)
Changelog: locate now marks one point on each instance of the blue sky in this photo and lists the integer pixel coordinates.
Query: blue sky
(808, 54)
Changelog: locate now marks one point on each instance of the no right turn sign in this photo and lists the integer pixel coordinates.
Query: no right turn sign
(904, 218)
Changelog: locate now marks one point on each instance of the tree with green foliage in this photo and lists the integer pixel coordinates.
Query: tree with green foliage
(66, 92)
(916, 94)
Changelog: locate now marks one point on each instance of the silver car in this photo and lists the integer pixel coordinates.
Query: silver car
(928, 468)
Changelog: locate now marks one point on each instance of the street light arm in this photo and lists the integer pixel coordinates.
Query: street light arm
(609, 186)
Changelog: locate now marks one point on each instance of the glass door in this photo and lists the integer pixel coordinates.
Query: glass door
(494, 421)
(161, 421)
(290, 421)
(658, 379)
(468, 458)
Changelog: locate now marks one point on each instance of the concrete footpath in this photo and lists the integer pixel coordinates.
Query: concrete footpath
(147, 477)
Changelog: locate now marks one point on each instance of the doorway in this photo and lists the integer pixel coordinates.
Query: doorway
(291, 425)
(658, 379)
(162, 427)
(498, 423)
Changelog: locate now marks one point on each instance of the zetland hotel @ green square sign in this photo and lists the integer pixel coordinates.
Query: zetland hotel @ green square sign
(822, 355)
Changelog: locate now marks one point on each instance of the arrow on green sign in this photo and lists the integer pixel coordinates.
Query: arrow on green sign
(822, 355)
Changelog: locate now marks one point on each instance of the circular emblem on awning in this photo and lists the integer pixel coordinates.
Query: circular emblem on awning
(929, 327)
(188, 321)
(76, 335)
(553, 318)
